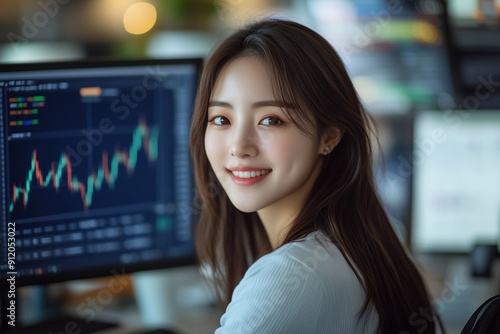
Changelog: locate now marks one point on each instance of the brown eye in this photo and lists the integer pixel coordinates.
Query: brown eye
(220, 120)
(271, 121)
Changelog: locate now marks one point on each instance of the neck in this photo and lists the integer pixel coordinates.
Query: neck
(276, 224)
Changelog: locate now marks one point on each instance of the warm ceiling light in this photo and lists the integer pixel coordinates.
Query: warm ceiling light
(139, 18)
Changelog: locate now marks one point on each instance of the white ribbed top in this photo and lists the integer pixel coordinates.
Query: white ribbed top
(300, 288)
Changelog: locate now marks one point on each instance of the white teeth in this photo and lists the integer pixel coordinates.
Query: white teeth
(248, 174)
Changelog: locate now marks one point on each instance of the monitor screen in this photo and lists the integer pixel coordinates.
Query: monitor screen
(456, 190)
(397, 52)
(94, 166)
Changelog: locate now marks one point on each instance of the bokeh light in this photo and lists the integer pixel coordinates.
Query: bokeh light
(139, 18)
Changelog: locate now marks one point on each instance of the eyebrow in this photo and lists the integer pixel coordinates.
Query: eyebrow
(259, 104)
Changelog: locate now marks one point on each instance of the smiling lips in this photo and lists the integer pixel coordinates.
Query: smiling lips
(247, 176)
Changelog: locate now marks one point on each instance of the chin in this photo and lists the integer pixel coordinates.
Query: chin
(244, 208)
(244, 204)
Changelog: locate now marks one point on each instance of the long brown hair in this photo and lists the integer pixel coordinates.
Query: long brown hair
(343, 204)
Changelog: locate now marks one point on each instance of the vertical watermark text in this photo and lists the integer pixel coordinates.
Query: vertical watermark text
(11, 274)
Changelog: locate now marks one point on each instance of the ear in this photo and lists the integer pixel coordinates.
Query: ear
(329, 140)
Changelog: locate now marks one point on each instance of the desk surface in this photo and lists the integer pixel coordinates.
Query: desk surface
(197, 320)
(455, 293)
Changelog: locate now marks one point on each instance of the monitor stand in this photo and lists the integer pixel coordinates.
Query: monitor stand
(45, 317)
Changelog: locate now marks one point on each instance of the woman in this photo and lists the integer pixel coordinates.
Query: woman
(291, 225)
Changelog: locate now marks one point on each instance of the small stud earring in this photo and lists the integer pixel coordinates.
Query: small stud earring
(326, 150)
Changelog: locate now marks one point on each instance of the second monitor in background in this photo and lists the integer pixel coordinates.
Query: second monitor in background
(397, 52)
(456, 189)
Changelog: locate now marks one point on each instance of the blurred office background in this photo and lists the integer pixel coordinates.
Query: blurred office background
(428, 71)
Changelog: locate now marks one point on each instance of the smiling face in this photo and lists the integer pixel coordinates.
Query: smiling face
(260, 157)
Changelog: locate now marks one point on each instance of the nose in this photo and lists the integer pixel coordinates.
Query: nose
(243, 144)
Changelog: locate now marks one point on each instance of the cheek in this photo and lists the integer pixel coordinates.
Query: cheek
(291, 149)
(211, 147)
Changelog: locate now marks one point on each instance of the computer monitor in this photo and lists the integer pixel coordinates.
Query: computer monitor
(95, 170)
(456, 180)
(397, 52)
